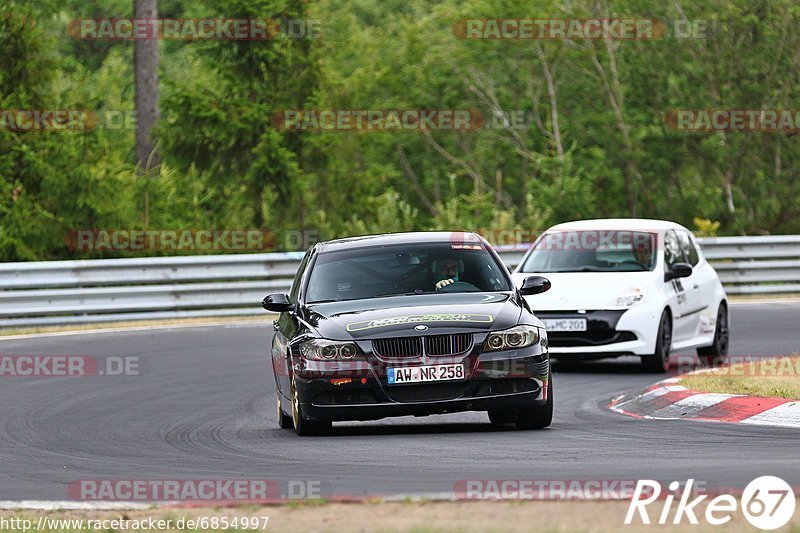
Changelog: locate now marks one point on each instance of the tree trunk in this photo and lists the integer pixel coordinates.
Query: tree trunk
(551, 95)
(498, 188)
(145, 61)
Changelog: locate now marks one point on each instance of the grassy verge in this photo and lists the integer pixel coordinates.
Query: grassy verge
(136, 324)
(790, 296)
(420, 517)
(774, 377)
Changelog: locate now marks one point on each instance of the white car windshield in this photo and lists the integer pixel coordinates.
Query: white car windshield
(593, 251)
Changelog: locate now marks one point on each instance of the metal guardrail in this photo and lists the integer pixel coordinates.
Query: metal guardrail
(756, 265)
(103, 290)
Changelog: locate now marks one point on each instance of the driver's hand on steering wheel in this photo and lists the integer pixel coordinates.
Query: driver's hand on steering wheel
(443, 283)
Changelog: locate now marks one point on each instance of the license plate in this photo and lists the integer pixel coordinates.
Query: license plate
(421, 374)
(565, 324)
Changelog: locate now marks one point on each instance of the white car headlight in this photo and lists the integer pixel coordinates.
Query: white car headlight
(512, 338)
(629, 297)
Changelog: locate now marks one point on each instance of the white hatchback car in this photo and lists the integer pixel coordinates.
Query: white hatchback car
(627, 287)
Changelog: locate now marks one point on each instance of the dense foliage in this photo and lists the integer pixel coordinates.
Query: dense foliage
(593, 142)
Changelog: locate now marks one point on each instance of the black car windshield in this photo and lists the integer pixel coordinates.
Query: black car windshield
(593, 251)
(408, 269)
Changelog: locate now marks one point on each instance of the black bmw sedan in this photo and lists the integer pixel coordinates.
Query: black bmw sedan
(408, 324)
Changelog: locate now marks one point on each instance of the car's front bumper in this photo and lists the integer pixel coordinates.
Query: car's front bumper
(358, 390)
(375, 411)
(609, 333)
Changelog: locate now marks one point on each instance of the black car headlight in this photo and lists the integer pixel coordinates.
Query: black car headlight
(512, 338)
(325, 350)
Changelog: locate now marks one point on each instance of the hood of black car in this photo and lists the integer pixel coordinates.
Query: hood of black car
(408, 316)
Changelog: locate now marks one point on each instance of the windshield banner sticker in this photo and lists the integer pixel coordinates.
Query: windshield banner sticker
(410, 319)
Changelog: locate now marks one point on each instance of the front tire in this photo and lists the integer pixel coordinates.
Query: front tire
(284, 420)
(302, 426)
(659, 361)
(502, 416)
(717, 352)
(538, 417)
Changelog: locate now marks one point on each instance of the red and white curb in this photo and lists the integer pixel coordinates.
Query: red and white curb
(666, 400)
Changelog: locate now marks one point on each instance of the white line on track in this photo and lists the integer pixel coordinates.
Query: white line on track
(101, 331)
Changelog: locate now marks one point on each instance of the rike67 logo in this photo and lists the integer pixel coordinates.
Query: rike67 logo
(768, 503)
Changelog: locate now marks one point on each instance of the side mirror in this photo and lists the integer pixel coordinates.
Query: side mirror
(678, 270)
(534, 285)
(277, 303)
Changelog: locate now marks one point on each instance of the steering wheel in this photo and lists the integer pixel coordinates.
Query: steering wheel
(459, 286)
(633, 262)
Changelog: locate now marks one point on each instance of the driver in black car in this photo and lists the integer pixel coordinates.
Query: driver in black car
(446, 271)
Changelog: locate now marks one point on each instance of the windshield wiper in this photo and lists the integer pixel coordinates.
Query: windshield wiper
(564, 270)
(386, 295)
(390, 294)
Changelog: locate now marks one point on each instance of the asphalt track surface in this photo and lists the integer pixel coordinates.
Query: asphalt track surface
(203, 408)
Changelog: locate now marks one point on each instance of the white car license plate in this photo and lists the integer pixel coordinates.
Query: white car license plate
(420, 374)
(565, 324)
